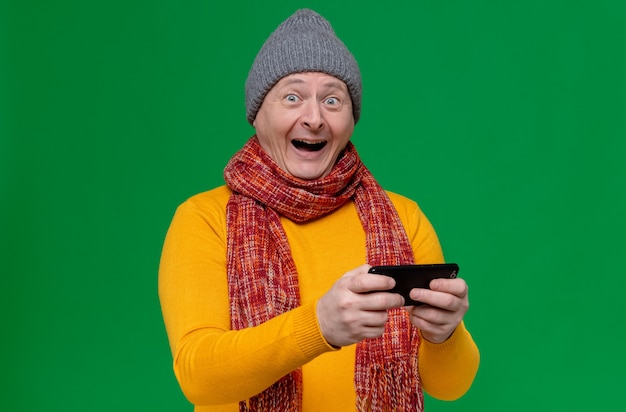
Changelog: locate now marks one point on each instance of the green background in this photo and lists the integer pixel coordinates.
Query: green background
(504, 120)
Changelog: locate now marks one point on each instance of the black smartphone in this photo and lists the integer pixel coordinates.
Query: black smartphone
(415, 276)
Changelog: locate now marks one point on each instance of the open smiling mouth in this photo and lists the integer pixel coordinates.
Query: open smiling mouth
(309, 146)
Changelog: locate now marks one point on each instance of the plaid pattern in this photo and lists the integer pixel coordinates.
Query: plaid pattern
(263, 282)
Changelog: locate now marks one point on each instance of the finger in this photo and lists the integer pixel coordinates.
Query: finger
(433, 332)
(426, 314)
(442, 300)
(436, 325)
(380, 301)
(375, 319)
(368, 282)
(456, 287)
(372, 332)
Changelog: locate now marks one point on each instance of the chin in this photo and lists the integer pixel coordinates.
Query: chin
(309, 174)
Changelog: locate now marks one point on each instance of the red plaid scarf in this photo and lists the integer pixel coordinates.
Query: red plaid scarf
(263, 282)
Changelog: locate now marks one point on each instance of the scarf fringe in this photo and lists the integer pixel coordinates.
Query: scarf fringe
(278, 397)
(387, 382)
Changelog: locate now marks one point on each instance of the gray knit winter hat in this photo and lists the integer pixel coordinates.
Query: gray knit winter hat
(305, 42)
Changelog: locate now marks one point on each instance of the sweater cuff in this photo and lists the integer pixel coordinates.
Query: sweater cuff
(307, 332)
(456, 339)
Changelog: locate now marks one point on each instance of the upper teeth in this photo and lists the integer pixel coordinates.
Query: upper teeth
(308, 142)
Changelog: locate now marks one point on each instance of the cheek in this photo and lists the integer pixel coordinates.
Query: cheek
(272, 133)
(345, 130)
(272, 128)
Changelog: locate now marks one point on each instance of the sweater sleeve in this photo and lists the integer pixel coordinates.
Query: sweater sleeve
(447, 369)
(213, 364)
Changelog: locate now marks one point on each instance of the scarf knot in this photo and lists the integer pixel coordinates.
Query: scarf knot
(249, 172)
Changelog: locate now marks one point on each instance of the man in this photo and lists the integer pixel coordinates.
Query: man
(264, 282)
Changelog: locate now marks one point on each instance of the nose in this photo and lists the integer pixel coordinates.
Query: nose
(312, 117)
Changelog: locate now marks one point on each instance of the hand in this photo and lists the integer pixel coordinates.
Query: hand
(348, 315)
(445, 305)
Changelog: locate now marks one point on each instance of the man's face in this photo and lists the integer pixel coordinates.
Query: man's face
(305, 121)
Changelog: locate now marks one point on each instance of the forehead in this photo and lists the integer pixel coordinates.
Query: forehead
(315, 79)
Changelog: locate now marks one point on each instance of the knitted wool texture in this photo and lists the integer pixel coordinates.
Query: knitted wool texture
(263, 282)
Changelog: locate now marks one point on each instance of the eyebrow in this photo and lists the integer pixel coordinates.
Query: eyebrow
(336, 83)
(329, 84)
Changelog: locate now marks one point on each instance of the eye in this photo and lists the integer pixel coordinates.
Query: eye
(292, 98)
(332, 101)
